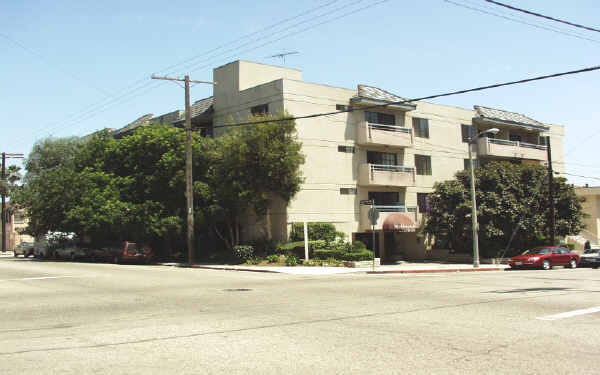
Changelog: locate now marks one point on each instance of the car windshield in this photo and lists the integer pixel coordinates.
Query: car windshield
(592, 251)
(538, 250)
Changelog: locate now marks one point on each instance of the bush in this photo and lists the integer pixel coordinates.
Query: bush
(273, 258)
(265, 246)
(339, 254)
(291, 261)
(297, 248)
(244, 252)
(316, 231)
(570, 246)
(254, 260)
(358, 245)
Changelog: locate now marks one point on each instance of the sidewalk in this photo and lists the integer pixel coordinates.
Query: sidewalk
(386, 269)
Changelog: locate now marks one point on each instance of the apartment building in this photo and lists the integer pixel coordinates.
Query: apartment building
(387, 157)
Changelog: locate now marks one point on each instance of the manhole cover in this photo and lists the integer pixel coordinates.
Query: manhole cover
(237, 290)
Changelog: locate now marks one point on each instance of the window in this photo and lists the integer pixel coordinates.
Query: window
(468, 164)
(382, 198)
(423, 165)
(543, 140)
(468, 132)
(380, 118)
(341, 107)
(260, 110)
(348, 191)
(514, 137)
(385, 158)
(423, 202)
(421, 127)
(348, 149)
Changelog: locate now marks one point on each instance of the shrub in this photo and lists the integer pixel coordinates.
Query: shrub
(338, 254)
(244, 252)
(273, 258)
(358, 245)
(254, 260)
(291, 261)
(297, 248)
(265, 246)
(316, 231)
(570, 246)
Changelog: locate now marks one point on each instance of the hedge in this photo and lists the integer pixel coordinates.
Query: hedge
(343, 255)
(316, 231)
(297, 248)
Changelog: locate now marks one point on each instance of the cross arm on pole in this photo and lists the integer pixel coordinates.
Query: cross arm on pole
(181, 80)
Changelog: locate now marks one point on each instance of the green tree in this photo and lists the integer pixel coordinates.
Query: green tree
(257, 164)
(510, 198)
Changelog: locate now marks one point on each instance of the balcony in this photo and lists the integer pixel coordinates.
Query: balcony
(386, 175)
(384, 213)
(502, 148)
(370, 134)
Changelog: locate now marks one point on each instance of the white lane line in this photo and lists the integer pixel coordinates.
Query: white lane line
(45, 278)
(570, 314)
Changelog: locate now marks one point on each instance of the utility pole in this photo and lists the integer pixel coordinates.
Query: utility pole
(4, 157)
(188, 163)
(550, 190)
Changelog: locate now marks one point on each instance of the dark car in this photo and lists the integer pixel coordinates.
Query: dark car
(590, 258)
(545, 257)
(124, 252)
(24, 248)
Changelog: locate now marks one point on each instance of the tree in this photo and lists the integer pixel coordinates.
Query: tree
(256, 165)
(510, 198)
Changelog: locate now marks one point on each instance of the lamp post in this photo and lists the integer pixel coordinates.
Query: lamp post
(473, 200)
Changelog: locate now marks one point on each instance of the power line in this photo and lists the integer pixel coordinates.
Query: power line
(576, 175)
(100, 108)
(405, 101)
(541, 15)
(554, 30)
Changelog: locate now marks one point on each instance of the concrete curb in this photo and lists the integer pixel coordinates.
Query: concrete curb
(235, 269)
(456, 270)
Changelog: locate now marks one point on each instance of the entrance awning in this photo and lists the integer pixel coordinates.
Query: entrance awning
(399, 223)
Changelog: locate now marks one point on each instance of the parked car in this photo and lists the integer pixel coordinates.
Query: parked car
(71, 252)
(42, 249)
(590, 258)
(545, 257)
(124, 252)
(24, 248)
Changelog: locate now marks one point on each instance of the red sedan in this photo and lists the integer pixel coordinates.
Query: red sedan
(545, 257)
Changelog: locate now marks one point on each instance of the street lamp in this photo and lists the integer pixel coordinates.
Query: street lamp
(473, 203)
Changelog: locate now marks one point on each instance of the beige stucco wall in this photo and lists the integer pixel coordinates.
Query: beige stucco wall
(591, 207)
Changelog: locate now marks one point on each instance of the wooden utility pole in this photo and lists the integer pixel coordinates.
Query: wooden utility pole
(550, 190)
(189, 192)
(4, 157)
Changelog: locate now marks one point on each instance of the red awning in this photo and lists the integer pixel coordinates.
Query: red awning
(399, 223)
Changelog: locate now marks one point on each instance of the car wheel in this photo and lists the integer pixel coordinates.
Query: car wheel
(546, 265)
(116, 259)
(573, 263)
(15, 254)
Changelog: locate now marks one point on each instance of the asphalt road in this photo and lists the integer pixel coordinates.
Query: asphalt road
(84, 318)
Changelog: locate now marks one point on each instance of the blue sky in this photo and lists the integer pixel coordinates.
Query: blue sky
(70, 67)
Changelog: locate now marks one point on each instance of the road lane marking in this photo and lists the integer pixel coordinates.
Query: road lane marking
(45, 278)
(570, 314)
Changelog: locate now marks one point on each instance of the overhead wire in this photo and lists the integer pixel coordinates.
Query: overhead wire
(547, 28)
(542, 16)
(142, 84)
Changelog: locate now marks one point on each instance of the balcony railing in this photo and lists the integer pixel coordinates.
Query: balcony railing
(384, 135)
(387, 175)
(394, 208)
(505, 148)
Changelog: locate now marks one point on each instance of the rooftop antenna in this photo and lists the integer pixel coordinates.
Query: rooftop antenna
(283, 55)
